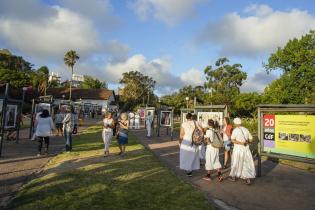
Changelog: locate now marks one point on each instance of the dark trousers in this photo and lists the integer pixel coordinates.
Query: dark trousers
(42, 139)
(68, 138)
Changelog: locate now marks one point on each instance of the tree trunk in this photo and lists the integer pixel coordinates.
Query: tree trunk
(71, 83)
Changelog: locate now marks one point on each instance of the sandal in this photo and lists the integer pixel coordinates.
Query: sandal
(248, 182)
(220, 178)
(232, 179)
(207, 177)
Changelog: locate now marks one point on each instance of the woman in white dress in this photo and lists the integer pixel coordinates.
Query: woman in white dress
(137, 120)
(148, 123)
(107, 132)
(189, 153)
(242, 160)
(212, 154)
(201, 147)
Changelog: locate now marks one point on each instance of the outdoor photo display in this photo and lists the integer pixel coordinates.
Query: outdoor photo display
(151, 110)
(289, 134)
(183, 117)
(87, 107)
(141, 113)
(217, 117)
(10, 116)
(166, 118)
(41, 106)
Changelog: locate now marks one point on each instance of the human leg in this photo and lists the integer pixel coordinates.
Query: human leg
(40, 144)
(46, 139)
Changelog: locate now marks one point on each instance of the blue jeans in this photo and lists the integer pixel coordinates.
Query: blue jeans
(68, 138)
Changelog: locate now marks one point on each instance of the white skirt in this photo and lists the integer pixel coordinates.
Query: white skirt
(202, 151)
(242, 165)
(189, 156)
(212, 158)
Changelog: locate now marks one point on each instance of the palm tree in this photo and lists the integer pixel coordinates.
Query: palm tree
(70, 59)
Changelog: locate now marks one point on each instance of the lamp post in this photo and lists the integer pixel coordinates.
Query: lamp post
(187, 99)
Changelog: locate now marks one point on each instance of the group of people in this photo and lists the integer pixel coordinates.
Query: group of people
(44, 127)
(235, 144)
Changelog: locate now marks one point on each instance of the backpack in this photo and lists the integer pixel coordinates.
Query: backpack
(197, 136)
(217, 140)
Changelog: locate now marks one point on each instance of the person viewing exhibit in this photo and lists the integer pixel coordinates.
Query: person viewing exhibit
(188, 153)
(68, 125)
(44, 129)
(148, 123)
(242, 161)
(227, 132)
(137, 120)
(58, 121)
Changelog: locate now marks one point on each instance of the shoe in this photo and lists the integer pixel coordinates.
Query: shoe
(220, 178)
(232, 179)
(207, 177)
(248, 182)
(38, 155)
(189, 174)
(225, 167)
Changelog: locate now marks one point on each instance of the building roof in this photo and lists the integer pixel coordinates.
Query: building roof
(77, 93)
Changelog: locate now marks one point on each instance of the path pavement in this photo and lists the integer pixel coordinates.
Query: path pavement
(19, 163)
(280, 187)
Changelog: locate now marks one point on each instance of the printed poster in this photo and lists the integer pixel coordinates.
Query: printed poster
(290, 135)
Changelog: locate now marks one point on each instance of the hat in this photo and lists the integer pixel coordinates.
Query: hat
(237, 121)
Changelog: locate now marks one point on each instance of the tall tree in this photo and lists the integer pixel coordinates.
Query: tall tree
(296, 60)
(136, 87)
(224, 81)
(90, 82)
(42, 75)
(70, 60)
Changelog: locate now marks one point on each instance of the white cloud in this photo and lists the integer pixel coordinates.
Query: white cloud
(168, 11)
(258, 81)
(193, 77)
(262, 31)
(117, 50)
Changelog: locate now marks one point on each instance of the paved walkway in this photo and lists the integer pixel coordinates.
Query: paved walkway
(280, 187)
(19, 163)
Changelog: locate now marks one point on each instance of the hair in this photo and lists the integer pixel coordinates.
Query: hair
(44, 113)
(194, 117)
(123, 116)
(211, 122)
(228, 120)
(189, 116)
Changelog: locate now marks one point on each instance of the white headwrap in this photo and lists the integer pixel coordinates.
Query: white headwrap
(237, 121)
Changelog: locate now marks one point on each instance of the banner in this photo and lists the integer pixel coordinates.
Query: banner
(289, 134)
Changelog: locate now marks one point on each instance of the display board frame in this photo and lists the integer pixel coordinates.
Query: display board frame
(264, 109)
(170, 125)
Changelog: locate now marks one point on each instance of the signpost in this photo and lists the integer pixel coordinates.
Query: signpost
(286, 132)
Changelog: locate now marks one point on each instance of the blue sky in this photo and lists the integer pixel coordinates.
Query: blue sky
(170, 40)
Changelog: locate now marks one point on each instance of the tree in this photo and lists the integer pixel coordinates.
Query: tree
(245, 104)
(90, 82)
(70, 60)
(136, 87)
(42, 77)
(224, 81)
(296, 60)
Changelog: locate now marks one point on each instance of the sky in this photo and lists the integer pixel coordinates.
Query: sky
(170, 40)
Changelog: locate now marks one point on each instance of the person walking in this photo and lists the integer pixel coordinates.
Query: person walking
(137, 120)
(44, 129)
(188, 153)
(58, 122)
(242, 161)
(68, 124)
(108, 125)
(123, 126)
(227, 132)
(212, 153)
(148, 123)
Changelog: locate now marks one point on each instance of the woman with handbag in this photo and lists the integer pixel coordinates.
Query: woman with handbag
(242, 160)
(107, 132)
(212, 153)
(227, 132)
(123, 126)
(189, 152)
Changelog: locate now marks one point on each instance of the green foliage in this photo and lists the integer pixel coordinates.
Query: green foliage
(16, 78)
(92, 83)
(136, 88)
(296, 61)
(224, 81)
(71, 58)
(245, 104)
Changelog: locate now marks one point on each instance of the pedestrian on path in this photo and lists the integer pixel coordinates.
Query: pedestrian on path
(227, 132)
(68, 124)
(108, 125)
(58, 121)
(148, 123)
(137, 120)
(242, 160)
(44, 129)
(212, 154)
(189, 153)
(123, 126)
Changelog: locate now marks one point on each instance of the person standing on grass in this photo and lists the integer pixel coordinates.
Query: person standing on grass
(227, 132)
(242, 160)
(188, 153)
(137, 120)
(58, 121)
(212, 154)
(123, 126)
(148, 124)
(44, 128)
(68, 124)
(108, 125)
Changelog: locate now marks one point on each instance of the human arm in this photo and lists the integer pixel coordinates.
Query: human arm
(181, 135)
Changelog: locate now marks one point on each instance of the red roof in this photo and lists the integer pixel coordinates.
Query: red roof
(77, 93)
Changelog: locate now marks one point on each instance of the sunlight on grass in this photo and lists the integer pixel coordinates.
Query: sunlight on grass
(84, 179)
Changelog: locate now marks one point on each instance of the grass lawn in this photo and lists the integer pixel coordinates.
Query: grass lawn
(84, 179)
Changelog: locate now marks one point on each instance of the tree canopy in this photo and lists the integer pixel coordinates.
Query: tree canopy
(90, 82)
